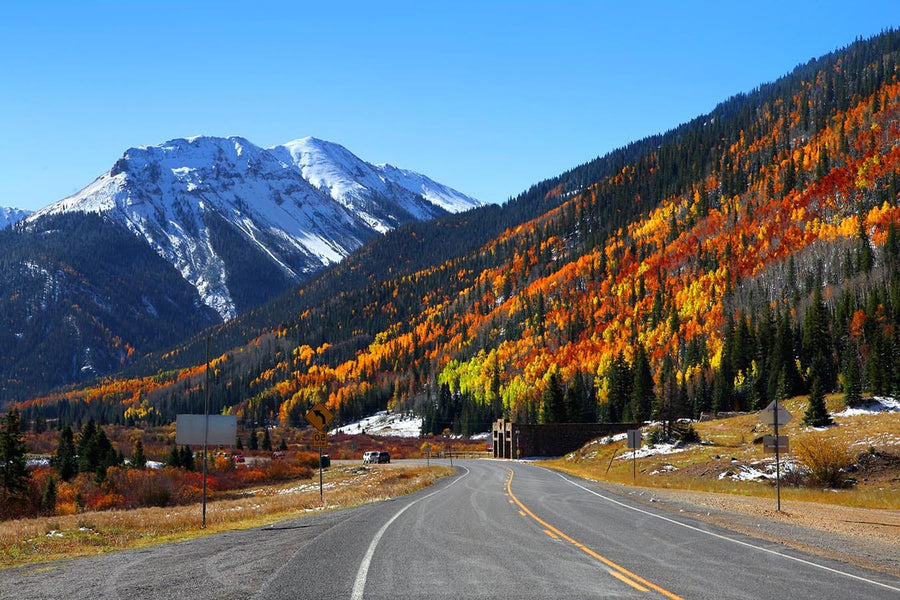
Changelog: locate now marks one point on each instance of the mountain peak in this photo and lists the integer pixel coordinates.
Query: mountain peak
(297, 207)
(10, 215)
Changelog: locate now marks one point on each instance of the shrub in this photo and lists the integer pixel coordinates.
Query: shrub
(107, 502)
(308, 459)
(825, 457)
(141, 487)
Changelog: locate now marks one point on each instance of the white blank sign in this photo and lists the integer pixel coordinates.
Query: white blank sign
(222, 430)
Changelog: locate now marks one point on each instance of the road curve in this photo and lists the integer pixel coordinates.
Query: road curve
(497, 529)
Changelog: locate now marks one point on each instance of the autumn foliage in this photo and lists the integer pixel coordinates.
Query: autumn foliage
(694, 258)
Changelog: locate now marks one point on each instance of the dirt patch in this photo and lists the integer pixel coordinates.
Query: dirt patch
(876, 468)
(865, 537)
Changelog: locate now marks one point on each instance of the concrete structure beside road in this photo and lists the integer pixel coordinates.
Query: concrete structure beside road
(518, 440)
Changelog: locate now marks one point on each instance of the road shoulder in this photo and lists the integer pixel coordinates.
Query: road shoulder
(864, 537)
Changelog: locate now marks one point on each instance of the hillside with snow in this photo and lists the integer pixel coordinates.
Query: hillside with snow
(241, 223)
(178, 236)
(11, 216)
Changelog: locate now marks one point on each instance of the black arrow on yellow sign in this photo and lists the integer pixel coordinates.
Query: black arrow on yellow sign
(319, 416)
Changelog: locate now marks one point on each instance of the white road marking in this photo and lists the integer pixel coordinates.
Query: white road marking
(359, 586)
(723, 537)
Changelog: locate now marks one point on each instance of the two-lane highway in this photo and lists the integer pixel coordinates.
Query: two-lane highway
(496, 529)
(514, 530)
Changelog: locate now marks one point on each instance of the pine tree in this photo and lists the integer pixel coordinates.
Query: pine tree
(14, 473)
(852, 383)
(816, 412)
(138, 460)
(817, 345)
(642, 395)
(266, 441)
(87, 448)
(174, 459)
(619, 383)
(187, 458)
(48, 498)
(865, 258)
(283, 445)
(106, 455)
(254, 440)
(553, 400)
(65, 462)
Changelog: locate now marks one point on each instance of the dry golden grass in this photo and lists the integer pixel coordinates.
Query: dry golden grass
(30, 541)
(729, 442)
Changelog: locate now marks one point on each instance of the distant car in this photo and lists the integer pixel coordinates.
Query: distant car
(238, 458)
(277, 455)
(375, 456)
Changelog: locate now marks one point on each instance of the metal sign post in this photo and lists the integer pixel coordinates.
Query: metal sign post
(777, 461)
(634, 442)
(319, 417)
(205, 430)
(773, 415)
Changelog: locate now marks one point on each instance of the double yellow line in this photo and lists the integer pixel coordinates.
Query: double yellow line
(619, 572)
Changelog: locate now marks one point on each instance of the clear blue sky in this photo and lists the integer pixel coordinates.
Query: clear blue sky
(488, 97)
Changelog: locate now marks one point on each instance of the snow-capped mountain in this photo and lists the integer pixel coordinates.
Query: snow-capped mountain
(241, 222)
(368, 189)
(11, 216)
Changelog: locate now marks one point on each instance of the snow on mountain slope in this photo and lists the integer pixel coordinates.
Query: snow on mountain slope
(300, 207)
(373, 192)
(11, 216)
(436, 193)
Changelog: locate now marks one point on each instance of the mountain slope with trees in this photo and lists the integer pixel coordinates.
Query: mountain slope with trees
(747, 255)
(237, 223)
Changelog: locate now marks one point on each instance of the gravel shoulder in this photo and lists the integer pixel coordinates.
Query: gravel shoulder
(865, 537)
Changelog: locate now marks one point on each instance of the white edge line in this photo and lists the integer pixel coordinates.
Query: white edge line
(724, 537)
(359, 586)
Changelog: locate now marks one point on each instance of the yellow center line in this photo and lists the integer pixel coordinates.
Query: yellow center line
(624, 579)
(622, 570)
(551, 534)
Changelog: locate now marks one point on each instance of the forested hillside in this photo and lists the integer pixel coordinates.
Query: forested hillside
(750, 254)
(71, 308)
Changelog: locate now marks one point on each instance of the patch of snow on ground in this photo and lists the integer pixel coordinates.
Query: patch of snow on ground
(385, 423)
(609, 439)
(654, 450)
(871, 406)
(883, 439)
(762, 469)
(664, 469)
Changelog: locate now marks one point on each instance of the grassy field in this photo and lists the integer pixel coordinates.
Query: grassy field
(32, 541)
(730, 459)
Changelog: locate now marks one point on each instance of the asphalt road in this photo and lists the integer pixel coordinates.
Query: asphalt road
(495, 530)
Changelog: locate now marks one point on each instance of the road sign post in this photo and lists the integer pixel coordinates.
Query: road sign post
(773, 415)
(319, 417)
(770, 447)
(634, 442)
